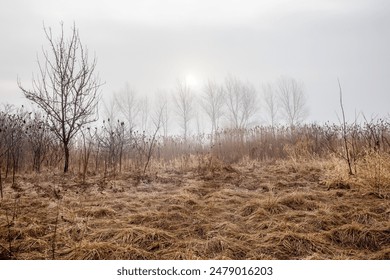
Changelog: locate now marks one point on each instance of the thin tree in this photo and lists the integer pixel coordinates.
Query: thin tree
(66, 87)
(292, 100)
(241, 102)
(184, 99)
(157, 122)
(212, 102)
(162, 101)
(144, 113)
(270, 104)
(128, 105)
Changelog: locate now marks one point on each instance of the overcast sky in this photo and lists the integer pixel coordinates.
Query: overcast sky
(152, 43)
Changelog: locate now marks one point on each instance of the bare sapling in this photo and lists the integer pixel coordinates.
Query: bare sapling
(157, 124)
(344, 131)
(86, 151)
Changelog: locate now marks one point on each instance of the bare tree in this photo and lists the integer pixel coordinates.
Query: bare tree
(144, 113)
(162, 103)
(241, 101)
(127, 103)
(184, 99)
(212, 102)
(110, 109)
(198, 120)
(157, 122)
(66, 87)
(270, 104)
(292, 100)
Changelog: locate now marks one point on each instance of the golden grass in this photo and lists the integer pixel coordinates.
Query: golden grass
(284, 210)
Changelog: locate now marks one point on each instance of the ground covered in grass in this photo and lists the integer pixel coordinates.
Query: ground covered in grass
(279, 210)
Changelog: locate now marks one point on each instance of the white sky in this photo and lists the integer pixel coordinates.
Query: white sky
(150, 44)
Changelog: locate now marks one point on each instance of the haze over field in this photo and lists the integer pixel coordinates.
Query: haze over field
(211, 142)
(151, 44)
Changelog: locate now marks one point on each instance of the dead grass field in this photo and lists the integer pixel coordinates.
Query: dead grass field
(279, 210)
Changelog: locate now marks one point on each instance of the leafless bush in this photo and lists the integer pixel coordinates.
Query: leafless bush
(40, 139)
(111, 140)
(12, 137)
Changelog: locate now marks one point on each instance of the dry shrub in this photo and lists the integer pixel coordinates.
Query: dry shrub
(374, 170)
(372, 174)
(208, 163)
(335, 176)
(299, 151)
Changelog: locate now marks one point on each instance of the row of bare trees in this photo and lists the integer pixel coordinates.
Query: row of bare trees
(239, 105)
(232, 104)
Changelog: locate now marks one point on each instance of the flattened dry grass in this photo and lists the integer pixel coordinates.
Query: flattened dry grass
(278, 211)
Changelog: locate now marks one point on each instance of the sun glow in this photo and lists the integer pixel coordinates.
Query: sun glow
(191, 80)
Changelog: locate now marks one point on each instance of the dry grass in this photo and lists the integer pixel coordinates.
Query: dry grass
(252, 210)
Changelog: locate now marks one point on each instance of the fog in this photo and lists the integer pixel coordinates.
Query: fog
(152, 44)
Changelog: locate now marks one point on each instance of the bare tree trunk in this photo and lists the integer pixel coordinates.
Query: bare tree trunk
(150, 150)
(120, 156)
(184, 101)
(14, 166)
(97, 158)
(66, 150)
(8, 162)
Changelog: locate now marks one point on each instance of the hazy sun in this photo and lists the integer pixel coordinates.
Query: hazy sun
(191, 80)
